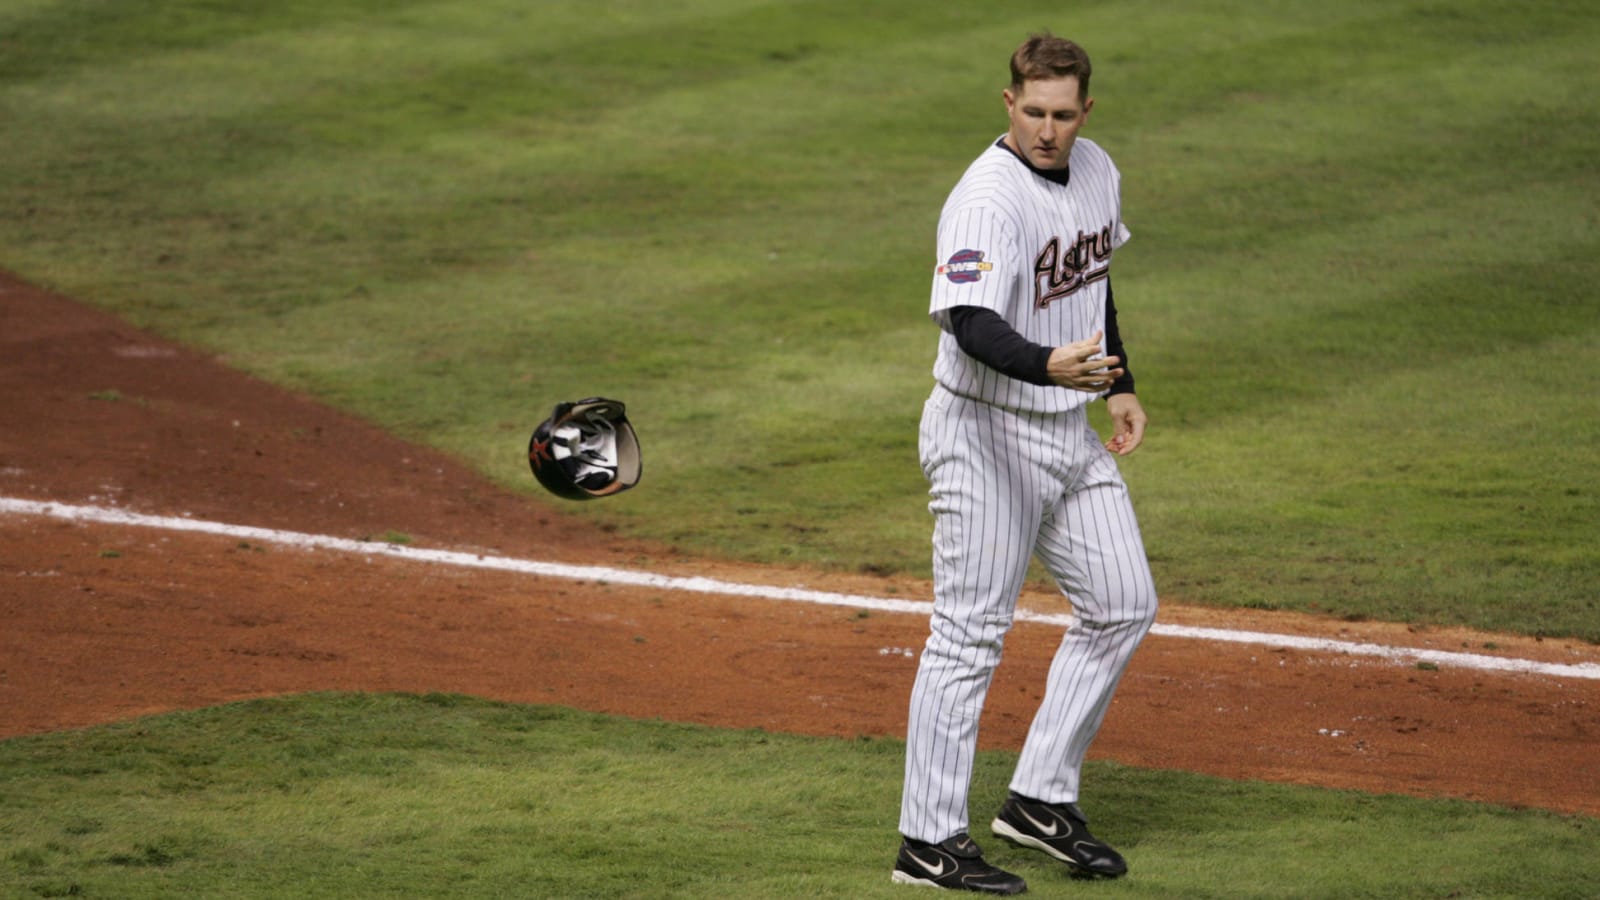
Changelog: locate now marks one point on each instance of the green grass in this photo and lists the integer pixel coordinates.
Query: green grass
(1359, 299)
(334, 795)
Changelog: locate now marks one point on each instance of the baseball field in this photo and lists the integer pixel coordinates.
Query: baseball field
(290, 283)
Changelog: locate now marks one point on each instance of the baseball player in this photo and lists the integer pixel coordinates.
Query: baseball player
(1028, 337)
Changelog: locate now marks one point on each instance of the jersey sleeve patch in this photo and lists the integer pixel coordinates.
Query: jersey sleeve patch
(965, 267)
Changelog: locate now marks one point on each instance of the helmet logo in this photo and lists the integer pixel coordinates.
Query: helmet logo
(538, 452)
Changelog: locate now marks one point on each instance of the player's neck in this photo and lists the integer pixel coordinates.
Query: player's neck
(1059, 176)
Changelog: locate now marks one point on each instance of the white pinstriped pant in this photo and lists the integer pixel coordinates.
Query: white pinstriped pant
(1007, 485)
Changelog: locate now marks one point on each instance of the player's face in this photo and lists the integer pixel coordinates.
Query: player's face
(1045, 117)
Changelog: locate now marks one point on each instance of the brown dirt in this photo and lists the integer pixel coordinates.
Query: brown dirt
(108, 622)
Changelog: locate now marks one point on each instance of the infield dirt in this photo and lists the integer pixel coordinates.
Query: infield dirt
(107, 622)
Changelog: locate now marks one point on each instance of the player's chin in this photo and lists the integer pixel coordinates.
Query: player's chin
(1047, 159)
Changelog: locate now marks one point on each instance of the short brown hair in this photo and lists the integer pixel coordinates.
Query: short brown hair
(1047, 56)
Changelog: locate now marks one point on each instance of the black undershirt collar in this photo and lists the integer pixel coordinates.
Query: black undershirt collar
(1059, 176)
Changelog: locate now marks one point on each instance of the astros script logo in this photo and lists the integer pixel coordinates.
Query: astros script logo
(1059, 270)
(965, 267)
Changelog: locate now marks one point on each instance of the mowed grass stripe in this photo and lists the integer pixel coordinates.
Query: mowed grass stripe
(339, 795)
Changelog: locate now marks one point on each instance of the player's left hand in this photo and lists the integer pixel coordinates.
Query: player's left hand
(1127, 423)
(1081, 366)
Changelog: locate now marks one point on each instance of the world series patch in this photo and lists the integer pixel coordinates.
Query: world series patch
(965, 267)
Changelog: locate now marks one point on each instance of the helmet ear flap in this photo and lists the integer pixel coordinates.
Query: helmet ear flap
(586, 449)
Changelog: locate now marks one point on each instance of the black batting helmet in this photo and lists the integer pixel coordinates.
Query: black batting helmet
(585, 450)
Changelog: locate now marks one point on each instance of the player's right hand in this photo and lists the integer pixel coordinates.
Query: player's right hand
(1081, 366)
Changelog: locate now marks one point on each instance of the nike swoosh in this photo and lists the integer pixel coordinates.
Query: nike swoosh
(1047, 831)
(924, 863)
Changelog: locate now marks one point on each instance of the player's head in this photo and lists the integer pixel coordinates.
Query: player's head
(1045, 56)
(1048, 100)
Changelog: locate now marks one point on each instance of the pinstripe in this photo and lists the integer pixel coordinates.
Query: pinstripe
(1014, 470)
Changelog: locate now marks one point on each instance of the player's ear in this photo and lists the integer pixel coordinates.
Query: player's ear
(1009, 98)
(1088, 105)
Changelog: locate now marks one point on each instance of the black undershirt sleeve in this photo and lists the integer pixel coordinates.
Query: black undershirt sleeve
(983, 335)
(1124, 382)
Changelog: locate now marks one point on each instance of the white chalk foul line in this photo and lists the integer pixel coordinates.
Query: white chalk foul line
(607, 575)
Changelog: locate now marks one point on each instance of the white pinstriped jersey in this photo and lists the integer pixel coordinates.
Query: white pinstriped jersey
(1034, 251)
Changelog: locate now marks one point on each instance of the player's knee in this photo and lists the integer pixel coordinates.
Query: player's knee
(1129, 608)
(975, 642)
